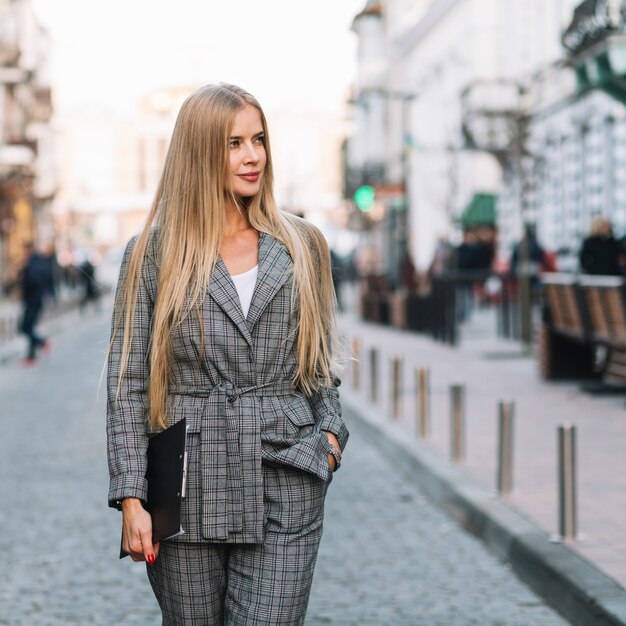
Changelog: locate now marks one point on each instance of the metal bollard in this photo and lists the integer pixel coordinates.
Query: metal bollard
(374, 375)
(506, 412)
(356, 363)
(457, 425)
(567, 482)
(422, 377)
(396, 386)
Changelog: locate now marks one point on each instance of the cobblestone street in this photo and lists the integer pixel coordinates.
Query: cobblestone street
(388, 557)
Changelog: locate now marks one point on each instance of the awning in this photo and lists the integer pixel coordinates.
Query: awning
(481, 211)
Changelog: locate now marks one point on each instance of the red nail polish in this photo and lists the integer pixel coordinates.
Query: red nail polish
(150, 559)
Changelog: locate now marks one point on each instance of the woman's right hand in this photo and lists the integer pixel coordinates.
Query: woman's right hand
(137, 531)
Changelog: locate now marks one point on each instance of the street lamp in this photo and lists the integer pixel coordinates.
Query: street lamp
(496, 120)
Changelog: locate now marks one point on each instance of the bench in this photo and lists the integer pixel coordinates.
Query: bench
(584, 316)
(605, 300)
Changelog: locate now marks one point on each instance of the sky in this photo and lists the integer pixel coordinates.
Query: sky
(285, 52)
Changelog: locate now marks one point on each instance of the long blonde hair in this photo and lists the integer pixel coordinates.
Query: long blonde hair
(188, 219)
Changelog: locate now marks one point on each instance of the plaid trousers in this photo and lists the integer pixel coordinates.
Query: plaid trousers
(265, 584)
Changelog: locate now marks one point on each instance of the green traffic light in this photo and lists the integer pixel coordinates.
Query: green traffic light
(364, 198)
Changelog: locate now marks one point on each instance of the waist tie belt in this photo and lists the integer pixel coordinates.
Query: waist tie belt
(232, 392)
(230, 449)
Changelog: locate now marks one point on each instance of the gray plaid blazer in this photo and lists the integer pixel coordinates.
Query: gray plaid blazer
(233, 388)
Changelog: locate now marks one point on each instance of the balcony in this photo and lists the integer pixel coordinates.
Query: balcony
(595, 43)
(9, 42)
(603, 66)
(17, 159)
(41, 104)
(491, 114)
(13, 75)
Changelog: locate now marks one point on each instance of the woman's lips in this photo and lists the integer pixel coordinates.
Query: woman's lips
(251, 178)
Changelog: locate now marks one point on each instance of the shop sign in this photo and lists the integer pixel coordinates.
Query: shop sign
(593, 21)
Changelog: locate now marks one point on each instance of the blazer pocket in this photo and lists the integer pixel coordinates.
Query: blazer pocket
(300, 415)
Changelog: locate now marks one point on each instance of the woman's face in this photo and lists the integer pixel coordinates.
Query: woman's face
(247, 152)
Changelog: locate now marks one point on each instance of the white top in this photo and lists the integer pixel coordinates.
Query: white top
(244, 283)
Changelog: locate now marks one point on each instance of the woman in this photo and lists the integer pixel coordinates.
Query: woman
(601, 254)
(225, 316)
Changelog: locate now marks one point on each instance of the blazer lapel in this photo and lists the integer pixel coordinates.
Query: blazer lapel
(223, 291)
(275, 267)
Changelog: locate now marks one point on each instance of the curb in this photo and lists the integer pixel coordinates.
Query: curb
(567, 582)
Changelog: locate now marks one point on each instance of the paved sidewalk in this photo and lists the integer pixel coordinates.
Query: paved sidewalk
(389, 557)
(497, 370)
(11, 343)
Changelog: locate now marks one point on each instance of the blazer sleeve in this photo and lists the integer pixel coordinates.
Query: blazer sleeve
(126, 427)
(327, 411)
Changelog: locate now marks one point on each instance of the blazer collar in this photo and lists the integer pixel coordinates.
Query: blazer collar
(275, 267)
(223, 291)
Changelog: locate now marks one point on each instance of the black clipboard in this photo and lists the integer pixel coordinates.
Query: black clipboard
(166, 476)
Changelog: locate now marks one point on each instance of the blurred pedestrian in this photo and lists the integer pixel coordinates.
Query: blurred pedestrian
(466, 253)
(407, 274)
(601, 254)
(48, 251)
(91, 293)
(533, 259)
(225, 315)
(487, 239)
(472, 259)
(474, 253)
(530, 260)
(36, 282)
(337, 270)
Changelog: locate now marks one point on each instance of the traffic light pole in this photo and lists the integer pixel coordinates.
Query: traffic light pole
(511, 151)
(405, 223)
(524, 276)
(402, 215)
(396, 229)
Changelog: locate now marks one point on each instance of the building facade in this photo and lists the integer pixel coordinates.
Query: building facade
(27, 151)
(431, 75)
(577, 135)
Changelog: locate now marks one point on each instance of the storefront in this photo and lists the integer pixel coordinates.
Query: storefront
(577, 139)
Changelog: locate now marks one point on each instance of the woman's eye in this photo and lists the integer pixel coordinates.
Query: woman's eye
(234, 143)
(260, 140)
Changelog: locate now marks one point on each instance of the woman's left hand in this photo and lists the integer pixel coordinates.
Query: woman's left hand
(332, 439)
